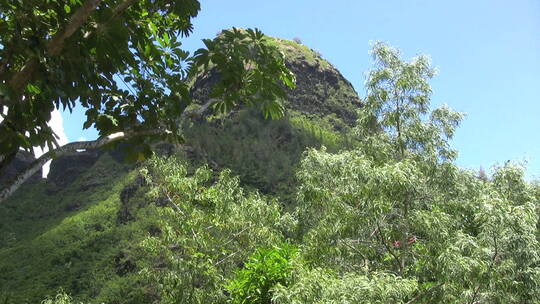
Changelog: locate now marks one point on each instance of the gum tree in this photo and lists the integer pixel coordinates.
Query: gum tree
(121, 60)
(399, 207)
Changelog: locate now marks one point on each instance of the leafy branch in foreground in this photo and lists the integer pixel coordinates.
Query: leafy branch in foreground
(123, 62)
(266, 269)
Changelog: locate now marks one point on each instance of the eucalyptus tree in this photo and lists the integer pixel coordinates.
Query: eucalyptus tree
(398, 207)
(397, 102)
(121, 60)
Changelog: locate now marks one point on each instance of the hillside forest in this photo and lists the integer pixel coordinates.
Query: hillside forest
(265, 177)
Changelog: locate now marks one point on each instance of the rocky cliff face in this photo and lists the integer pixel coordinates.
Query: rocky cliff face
(265, 153)
(22, 161)
(321, 90)
(66, 169)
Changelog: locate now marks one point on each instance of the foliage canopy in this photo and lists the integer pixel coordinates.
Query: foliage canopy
(392, 220)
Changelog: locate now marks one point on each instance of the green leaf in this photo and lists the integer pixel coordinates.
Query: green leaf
(33, 89)
(87, 124)
(166, 38)
(153, 28)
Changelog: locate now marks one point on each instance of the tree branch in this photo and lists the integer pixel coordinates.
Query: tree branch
(122, 7)
(55, 45)
(200, 111)
(385, 244)
(78, 145)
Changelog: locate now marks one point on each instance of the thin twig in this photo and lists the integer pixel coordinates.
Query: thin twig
(236, 235)
(175, 206)
(383, 240)
(225, 258)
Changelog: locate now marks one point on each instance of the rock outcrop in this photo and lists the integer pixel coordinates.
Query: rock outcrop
(321, 90)
(65, 169)
(22, 161)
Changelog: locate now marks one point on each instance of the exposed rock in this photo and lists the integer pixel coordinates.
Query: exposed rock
(264, 153)
(22, 161)
(320, 88)
(125, 212)
(65, 169)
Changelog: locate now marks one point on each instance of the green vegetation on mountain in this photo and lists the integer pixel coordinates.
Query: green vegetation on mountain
(337, 202)
(123, 62)
(92, 235)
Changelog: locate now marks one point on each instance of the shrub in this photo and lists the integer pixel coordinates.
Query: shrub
(60, 298)
(265, 269)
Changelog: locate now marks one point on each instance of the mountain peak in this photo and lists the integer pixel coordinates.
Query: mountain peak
(321, 90)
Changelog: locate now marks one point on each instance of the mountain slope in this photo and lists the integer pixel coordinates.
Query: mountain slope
(78, 230)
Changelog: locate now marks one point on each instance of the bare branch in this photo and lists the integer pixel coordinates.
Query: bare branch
(385, 243)
(79, 145)
(200, 111)
(227, 257)
(175, 206)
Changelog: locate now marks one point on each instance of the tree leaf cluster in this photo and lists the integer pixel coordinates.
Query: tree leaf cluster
(123, 62)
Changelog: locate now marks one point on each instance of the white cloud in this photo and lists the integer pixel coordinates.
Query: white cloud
(4, 112)
(57, 124)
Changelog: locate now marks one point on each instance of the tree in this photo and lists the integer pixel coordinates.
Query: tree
(398, 103)
(209, 226)
(398, 206)
(122, 61)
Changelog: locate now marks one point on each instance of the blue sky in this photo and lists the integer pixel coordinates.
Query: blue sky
(487, 53)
